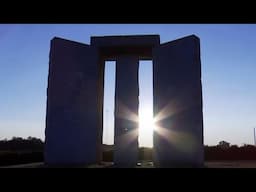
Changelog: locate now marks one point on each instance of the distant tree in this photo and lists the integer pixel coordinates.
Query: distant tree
(17, 138)
(224, 144)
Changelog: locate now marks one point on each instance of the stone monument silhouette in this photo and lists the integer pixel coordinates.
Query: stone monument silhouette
(73, 133)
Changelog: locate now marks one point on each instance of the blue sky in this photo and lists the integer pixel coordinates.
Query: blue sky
(228, 73)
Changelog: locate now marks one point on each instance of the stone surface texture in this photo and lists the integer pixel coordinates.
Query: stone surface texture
(177, 96)
(126, 111)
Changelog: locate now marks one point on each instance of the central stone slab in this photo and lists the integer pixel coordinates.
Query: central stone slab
(126, 51)
(126, 111)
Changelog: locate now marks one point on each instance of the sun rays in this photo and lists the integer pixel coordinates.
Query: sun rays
(161, 126)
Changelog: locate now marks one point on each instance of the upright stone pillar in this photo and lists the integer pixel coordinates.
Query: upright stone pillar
(178, 138)
(72, 133)
(126, 111)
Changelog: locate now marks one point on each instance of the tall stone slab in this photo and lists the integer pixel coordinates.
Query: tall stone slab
(126, 111)
(178, 138)
(72, 123)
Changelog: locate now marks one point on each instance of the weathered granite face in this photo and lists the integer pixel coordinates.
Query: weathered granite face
(177, 91)
(72, 98)
(126, 111)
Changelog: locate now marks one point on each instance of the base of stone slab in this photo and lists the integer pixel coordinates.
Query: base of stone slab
(177, 165)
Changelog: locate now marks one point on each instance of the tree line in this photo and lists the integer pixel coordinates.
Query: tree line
(19, 150)
(21, 144)
(232, 153)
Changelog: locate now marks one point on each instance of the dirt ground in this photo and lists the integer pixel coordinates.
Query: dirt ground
(230, 164)
(148, 164)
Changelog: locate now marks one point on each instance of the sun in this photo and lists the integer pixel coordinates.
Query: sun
(146, 128)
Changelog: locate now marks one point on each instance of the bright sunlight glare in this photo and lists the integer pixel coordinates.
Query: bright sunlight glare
(146, 122)
(146, 127)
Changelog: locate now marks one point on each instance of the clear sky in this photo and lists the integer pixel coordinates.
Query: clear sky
(228, 56)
